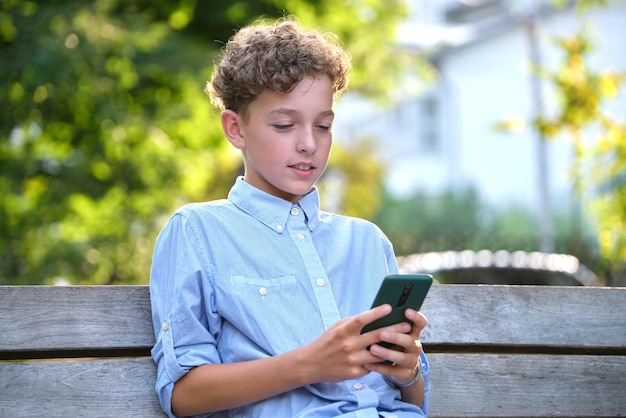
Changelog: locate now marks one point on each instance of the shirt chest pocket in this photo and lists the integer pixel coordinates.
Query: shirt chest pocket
(276, 312)
(271, 288)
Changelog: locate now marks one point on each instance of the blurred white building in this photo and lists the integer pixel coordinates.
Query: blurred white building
(438, 136)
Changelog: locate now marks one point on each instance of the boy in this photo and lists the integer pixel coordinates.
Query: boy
(258, 300)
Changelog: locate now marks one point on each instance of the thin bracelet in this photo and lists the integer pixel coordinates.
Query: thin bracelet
(412, 382)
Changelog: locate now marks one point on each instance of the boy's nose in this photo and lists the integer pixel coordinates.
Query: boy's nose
(306, 142)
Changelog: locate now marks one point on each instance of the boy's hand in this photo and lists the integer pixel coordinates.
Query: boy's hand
(406, 352)
(341, 353)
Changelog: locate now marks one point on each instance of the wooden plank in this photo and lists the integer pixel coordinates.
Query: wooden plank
(463, 385)
(527, 316)
(75, 318)
(113, 317)
(95, 388)
(492, 385)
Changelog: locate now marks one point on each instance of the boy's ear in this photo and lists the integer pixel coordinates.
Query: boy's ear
(232, 126)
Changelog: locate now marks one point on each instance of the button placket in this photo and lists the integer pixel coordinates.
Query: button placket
(303, 240)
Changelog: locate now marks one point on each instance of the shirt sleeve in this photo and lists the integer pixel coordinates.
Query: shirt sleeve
(184, 324)
(426, 375)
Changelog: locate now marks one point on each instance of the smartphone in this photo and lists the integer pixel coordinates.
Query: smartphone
(401, 291)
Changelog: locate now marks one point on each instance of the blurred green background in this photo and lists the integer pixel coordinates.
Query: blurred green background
(105, 130)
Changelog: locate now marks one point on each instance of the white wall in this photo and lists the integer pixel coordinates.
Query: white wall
(481, 83)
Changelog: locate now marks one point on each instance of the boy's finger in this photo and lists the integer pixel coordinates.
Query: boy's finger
(417, 318)
(375, 313)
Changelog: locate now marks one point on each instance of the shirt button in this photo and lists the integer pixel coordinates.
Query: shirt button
(320, 282)
(262, 291)
(299, 237)
(165, 326)
(357, 386)
(294, 211)
(279, 228)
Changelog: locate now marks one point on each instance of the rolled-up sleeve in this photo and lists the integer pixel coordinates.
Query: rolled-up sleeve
(184, 324)
(426, 375)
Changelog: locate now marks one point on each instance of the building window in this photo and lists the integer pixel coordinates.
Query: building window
(429, 134)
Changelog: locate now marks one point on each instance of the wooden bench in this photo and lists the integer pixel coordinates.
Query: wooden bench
(494, 351)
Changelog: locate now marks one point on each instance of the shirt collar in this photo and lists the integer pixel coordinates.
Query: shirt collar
(271, 210)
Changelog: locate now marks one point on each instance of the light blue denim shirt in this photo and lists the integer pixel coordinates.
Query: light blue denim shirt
(254, 276)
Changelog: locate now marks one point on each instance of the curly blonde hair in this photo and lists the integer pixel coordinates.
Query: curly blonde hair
(277, 57)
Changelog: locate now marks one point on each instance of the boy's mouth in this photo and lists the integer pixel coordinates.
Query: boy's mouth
(303, 167)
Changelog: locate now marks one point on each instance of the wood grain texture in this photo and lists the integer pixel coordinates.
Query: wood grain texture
(500, 385)
(526, 316)
(562, 351)
(462, 385)
(82, 317)
(88, 388)
(75, 318)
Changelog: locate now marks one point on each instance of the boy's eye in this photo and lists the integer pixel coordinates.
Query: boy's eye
(287, 126)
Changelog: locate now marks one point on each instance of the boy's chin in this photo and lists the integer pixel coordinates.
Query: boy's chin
(295, 194)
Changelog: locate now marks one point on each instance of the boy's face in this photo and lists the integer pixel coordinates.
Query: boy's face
(286, 138)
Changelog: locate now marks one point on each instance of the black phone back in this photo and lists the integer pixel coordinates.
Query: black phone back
(401, 291)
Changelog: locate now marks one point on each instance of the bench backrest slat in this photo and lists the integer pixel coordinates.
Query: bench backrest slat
(112, 387)
(527, 318)
(524, 385)
(50, 321)
(111, 319)
(462, 385)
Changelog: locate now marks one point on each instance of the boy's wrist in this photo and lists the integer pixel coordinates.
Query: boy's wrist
(418, 374)
(300, 367)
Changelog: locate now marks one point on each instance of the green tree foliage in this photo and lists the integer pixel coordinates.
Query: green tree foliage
(352, 183)
(599, 141)
(457, 220)
(104, 128)
(425, 222)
